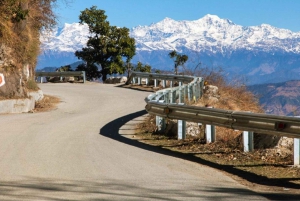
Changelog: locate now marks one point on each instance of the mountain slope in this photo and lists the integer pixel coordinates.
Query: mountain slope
(259, 54)
(280, 98)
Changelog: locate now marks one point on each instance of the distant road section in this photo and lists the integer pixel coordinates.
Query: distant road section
(76, 153)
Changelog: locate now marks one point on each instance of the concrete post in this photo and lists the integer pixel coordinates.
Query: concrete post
(210, 131)
(248, 141)
(296, 151)
(155, 83)
(147, 81)
(139, 80)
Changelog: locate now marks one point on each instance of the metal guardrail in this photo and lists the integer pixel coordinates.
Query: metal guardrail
(180, 78)
(61, 74)
(190, 87)
(162, 105)
(245, 121)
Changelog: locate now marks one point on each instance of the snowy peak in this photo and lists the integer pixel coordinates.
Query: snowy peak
(209, 33)
(69, 38)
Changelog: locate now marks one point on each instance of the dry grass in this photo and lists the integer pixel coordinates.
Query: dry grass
(48, 103)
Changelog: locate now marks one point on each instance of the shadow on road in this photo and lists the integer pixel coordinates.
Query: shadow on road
(111, 130)
(76, 190)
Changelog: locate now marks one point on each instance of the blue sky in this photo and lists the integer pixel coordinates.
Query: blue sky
(130, 13)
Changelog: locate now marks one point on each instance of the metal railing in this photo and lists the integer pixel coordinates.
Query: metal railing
(163, 104)
(260, 123)
(61, 74)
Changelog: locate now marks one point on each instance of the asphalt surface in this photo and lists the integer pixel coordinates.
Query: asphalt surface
(77, 153)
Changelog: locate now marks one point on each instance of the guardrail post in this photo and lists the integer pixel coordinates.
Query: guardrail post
(160, 123)
(248, 141)
(296, 151)
(197, 90)
(181, 95)
(185, 92)
(210, 131)
(190, 92)
(155, 83)
(172, 97)
(194, 91)
(201, 87)
(83, 76)
(171, 83)
(164, 83)
(181, 129)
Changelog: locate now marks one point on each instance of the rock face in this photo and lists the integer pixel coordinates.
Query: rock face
(12, 77)
(211, 93)
(15, 78)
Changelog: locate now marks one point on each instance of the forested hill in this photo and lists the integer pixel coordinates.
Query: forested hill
(279, 98)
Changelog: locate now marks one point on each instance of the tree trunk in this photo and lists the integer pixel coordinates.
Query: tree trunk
(104, 77)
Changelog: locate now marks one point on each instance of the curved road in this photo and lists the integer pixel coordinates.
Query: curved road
(76, 153)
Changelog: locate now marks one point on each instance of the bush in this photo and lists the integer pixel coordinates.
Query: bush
(32, 85)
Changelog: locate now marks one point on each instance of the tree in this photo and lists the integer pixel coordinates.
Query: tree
(179, 60)
(91, 70)
(142, 68)
(108, 46)
(64, 68)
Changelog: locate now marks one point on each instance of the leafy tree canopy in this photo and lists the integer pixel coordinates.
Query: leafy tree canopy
(108, 46)
(91, 71)
(142, 68)
(64, 68)
(179, 60)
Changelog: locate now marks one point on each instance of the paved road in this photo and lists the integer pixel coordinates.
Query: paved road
(76, 153)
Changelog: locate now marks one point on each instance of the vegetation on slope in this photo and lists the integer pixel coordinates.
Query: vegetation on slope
(21, 22)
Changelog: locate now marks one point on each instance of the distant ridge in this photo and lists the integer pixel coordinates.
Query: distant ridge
(259, 54)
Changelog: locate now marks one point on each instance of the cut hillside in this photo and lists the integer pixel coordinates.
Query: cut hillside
(21, 22)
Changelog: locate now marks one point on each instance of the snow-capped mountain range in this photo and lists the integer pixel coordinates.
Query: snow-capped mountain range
(264, 51)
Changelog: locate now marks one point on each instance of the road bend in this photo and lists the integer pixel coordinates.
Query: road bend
(75, 153)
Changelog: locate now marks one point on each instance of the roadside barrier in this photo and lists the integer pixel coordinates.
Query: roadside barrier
(61, 74)
(170, 103)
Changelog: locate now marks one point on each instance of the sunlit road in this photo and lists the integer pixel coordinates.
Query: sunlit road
(76, 153)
